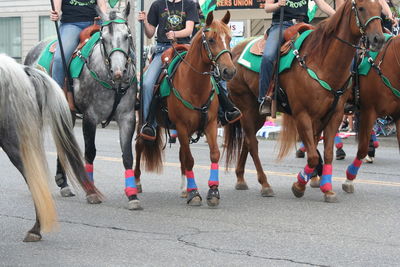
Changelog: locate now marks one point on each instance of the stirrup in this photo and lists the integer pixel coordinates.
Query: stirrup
(148, 132)
(265, 106)
(236, 113)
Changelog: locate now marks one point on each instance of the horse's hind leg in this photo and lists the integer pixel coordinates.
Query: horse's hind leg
(89, 133)
(126, 129)
(61, 181)
(12, 151)
(367, 119)
(240, 168)
(213, 196)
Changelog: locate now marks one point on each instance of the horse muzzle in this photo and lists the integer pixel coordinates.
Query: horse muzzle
(228, 73)
(376, 41)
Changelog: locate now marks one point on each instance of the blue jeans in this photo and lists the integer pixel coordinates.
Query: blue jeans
(269, 56)
(70, 39)
(150, 78)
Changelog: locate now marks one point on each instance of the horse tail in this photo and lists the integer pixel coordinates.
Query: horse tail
(152, 153)
(233, 141)
(56, 113)
(287, 137)
(18, 104)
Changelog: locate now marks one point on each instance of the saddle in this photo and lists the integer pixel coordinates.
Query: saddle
(85, 35)
(289, 34)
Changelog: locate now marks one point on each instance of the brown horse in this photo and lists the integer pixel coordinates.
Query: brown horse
(328, 51)
(209, 51)
(377, 99)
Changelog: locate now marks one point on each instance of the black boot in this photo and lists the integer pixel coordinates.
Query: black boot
(231, 113)
(265, 106)
(148, 132)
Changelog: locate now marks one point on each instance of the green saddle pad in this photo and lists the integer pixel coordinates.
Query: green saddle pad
(76, 64)
(165, 88)
(253, 62)
(365, 66)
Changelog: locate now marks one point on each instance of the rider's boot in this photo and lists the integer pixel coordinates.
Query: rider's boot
(265, 106)
(231, 113)
(148, 131)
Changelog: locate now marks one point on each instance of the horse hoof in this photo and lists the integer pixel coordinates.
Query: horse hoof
(267, 192)
(134, 205)
(32, 237)
(213, 197)
(314, 183)
(139, 188)
(194, 198)
(66, 192)
(330, 197)
(348, 186)
(184, 194)
(241, 186)
(93, 199)
(297, 192)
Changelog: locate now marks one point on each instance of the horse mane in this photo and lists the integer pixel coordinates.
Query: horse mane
(320, 39)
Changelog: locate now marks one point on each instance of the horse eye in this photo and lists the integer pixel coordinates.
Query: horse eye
(361, 9)
(211, 40)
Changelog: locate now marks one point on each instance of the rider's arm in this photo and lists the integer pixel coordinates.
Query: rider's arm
(271, 6)
(185, 32)
(55, 15)
(102, 5)
(149, 27)
(326, 8)
(339, 3)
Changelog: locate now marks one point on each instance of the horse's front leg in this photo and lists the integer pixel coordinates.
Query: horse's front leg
(126, 123)
(89, 134)
(187, 162)
(367, 120)
(213, 195)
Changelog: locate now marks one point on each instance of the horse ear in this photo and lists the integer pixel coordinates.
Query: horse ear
(210, 18)
(227, 17)
(127, 10)
(104, 16)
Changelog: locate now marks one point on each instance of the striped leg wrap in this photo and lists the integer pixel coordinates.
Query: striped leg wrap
(213, 175)
(326, 180)
(305, 175)
(89, 171)
(302, 147)
(352, 170)
(173, 133)
(338, 141)
(191, 183)
(374, 139)
(130, 183)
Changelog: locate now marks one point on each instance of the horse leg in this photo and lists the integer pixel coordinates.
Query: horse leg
(89, 134)
(213, 195)
(12, 151)
(367, 119)
(305, 130)
(126, 128)
(398, 132)
(138, 151)
(187, 162)
(340, 154)
(61, 181)
(240, 167)
(184, 192)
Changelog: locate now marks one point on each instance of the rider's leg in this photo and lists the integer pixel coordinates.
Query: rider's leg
(267, 66)
(148, 130)
(69, 33)
(230, 113)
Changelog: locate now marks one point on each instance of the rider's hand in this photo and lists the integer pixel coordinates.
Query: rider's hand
(282, 2)
(170, 35)
(394, 21)
(142, 16)
(54, 15)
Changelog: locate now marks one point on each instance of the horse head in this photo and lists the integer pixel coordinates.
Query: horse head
(216, 37)
(366, 20)
(116, 43)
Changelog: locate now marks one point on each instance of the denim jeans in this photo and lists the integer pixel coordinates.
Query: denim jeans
(150, 77)
(269, 56)
(70, 39)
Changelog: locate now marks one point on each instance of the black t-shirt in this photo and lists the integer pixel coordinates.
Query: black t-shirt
(294, 9)
(78, 10)
(172, 18)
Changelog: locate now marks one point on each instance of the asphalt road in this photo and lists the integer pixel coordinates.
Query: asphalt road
(362, 229)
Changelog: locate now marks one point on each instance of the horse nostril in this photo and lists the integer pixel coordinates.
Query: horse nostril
(125, 71)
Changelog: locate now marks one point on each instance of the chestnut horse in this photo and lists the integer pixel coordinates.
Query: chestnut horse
(328, 51)
(208, 53)
(377, 98)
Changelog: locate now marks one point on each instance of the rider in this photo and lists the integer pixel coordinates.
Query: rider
(294, 11)
(173, 20)
(76, 16)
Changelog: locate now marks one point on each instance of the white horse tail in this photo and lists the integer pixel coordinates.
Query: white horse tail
(19, 108)
(56, 112)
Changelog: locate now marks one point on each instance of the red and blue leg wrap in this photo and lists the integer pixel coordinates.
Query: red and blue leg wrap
(338, 141)
(326, 179)
(89, 171)
(191, 183)
(352, 170)
(374, 139)
(305, 175)
(213, 175)
(130, 183)
(173, 133)
(302, 147)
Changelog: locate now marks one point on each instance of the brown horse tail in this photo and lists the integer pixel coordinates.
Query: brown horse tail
(233, 140)
(288, 136)
(152, 153)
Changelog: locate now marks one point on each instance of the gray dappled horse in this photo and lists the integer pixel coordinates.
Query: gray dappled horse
(28, 99)
(109, 74)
